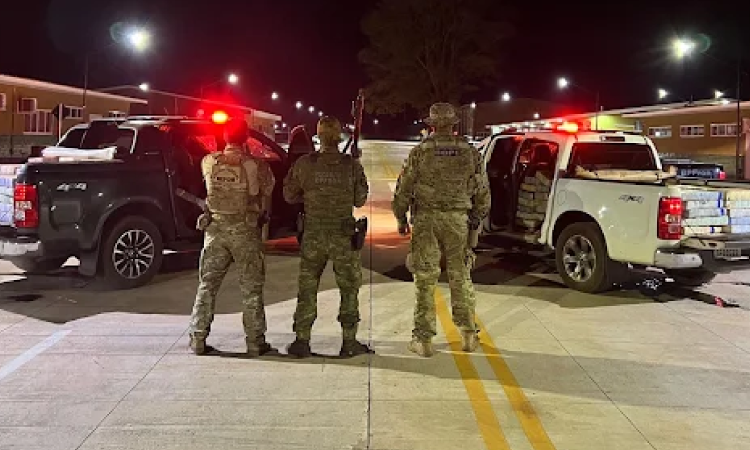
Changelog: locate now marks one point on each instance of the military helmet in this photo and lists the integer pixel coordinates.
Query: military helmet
(329, 129)
(442, 114)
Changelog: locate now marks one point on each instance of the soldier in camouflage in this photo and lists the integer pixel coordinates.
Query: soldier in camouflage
(330, 185)
(444, 187)
(239, 194)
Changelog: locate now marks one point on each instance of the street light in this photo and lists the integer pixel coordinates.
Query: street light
(536, 115)
(311, 109)
(144, 87)
(506, 96)
(662, 94)
(682, 47)
(137, 38)
(563, 83)
(275, 96)
(298, 105)
(718, 94)
(232, 79)
(140, 39)
(376, 121)
(473, 105)
(320, 113)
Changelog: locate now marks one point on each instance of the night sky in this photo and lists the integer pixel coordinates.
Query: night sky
(307, 49)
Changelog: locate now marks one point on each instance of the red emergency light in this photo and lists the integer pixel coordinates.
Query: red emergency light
(568, 127)
(219, 117)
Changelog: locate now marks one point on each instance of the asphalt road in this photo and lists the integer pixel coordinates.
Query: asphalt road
(87, 369)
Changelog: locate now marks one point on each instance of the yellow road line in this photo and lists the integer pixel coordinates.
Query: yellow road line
(524, 411)
(489, 426)
(384, 164)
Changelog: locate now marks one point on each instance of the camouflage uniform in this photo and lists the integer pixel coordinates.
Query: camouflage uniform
(238, 188)
(329, 184)
(443, 184)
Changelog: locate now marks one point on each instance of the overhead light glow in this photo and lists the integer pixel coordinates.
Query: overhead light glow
(139, 39)
(682, 47)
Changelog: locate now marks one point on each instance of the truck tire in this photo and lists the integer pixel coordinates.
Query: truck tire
(691, 277)
(582, 258)
(38, 265)
(131, 253)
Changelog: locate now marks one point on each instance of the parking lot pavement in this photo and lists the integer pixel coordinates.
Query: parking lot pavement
(558, 369)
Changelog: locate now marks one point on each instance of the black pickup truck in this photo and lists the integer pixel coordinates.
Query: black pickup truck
(118, 216)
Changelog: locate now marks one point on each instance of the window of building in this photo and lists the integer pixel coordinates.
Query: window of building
(27, 105)
(660, 132)
(39, 122)
(723, 129)
(692, 131)
(3, 102)
(118, 114)
(73, 112)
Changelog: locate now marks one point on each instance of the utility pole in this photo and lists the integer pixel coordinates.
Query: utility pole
(739, 171)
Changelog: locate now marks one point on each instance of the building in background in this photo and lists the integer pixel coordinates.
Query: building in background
(477, 118)
(27, 107)
(706, 133)
(158, 102)
(704, 130)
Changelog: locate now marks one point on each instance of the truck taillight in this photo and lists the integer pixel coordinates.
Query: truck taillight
(669, 226)
(26, 206)
(722, 175)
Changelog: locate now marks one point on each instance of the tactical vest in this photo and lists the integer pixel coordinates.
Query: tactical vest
(445, 177)
(329, 186)
(231, 182)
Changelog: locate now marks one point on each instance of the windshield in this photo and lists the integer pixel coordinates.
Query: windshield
(595, 156)
(72, 138)
(104, 137)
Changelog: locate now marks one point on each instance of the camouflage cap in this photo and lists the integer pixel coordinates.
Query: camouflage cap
(442, 114)
(329, 128)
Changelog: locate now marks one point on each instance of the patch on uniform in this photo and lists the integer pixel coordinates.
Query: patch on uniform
(445, 151)
(328, 178)
(223, 175)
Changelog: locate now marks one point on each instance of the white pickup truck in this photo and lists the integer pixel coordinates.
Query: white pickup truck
(602, 202)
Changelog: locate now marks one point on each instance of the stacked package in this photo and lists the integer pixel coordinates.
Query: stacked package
(532, 201)
(737, 204)
(704, 212)
(7, 178)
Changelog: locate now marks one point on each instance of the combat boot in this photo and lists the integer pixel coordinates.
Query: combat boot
(255, 349)
(469, 341)
(198, 345)
(352, 347)
(421, 348)
(299, 348)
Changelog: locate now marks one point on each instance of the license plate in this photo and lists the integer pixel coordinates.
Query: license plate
(728, 253)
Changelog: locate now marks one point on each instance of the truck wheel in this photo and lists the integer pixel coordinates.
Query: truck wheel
(582, 259)
(131, 253)
(32, 265)
(691, 277)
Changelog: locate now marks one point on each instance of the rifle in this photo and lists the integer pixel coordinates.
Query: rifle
(358, 106)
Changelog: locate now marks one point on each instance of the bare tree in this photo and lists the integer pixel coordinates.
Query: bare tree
(425, 51)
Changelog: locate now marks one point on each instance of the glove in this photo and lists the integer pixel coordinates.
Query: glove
(403, 228)
(263, 219)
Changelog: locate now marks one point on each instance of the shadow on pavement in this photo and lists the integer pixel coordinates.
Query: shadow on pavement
(631, 382)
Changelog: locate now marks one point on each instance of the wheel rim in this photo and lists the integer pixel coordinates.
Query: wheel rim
(579, 258)
(133, 254)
